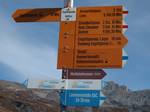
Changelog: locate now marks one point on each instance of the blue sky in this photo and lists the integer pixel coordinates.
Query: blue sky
(29, 50)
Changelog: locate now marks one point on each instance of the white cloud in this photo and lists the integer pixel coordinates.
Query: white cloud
(32, 61)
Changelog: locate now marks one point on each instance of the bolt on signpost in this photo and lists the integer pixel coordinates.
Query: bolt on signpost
(90, 39)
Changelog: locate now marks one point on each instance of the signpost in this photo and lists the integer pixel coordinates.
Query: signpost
(74, 84)
(83, 74)
(81, 98)
(86, 41)
(90, 38)
(98, 58)
(82, 84)
(45, 84)
(101, 41)
(99, 20)
(37, 15)
(91, 59)
(68, 14)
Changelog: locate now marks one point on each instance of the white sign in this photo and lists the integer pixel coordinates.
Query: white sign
(65, 84)
(45, 84)
(68, 14)
(72, 84)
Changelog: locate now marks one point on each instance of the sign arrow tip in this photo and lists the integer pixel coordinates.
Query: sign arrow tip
(125, 41)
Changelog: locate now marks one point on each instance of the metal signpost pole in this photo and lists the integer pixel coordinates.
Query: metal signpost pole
(67, 4)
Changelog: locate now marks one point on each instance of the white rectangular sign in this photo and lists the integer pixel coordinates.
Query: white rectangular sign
(82, 84)
(70, 84)
(68, 14)
(45, 84)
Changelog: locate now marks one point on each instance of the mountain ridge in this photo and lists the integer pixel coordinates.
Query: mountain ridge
(15, 97)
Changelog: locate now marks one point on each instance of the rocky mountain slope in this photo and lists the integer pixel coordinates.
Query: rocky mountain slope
(15, 97)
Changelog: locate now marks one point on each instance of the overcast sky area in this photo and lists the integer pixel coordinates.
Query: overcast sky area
(29, 50)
